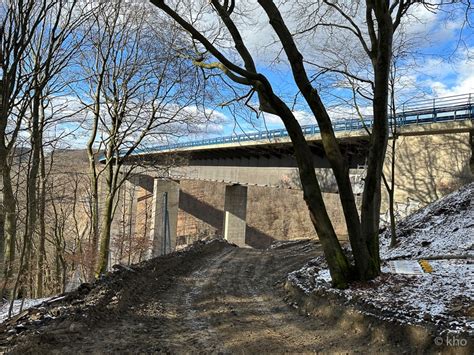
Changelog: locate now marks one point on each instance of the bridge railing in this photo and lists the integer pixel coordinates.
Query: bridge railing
(436, 103)
(448, 108)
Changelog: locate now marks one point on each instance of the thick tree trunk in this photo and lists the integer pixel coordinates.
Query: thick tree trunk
(391, 188)
(3, 167)
(371, 198)
(10, 227)
(105, 234)
(339, 266)
(94, 204)
(9, 209)
(2, 230)
(32, 200)
(94, 182)
(107, 215)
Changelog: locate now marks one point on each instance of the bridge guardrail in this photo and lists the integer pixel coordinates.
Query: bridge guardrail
(448, 108)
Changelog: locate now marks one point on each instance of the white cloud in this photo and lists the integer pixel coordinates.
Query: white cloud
(446, 78)
(303, 117)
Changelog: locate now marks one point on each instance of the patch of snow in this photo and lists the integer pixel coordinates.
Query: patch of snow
(28, 303)
(442, 231)
(443, 228)
(443, 296)
(324, 275)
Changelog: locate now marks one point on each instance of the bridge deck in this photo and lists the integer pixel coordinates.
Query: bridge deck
(416, 118)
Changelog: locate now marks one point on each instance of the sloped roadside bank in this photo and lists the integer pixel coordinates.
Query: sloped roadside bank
(431, 307)
(354, 318)
(73, 316)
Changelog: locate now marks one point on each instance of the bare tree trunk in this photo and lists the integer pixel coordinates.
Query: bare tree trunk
(8, 225)
(32, 201)
(94, 194)
(77, 248)
(338, 264)
(107, 217)
(371, 198)
(93, 175)
(391, 186)
(393, 229)
(124, 224)
(9, 205)
(42, 228)
(2, 234)
(21, 276)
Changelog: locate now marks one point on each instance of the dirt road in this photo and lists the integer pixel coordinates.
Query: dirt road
(219, 299)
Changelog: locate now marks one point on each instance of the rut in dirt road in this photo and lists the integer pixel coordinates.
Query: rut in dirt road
(213, 298)
(230, 305)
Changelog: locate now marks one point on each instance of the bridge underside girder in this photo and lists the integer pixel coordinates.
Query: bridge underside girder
(270, 154)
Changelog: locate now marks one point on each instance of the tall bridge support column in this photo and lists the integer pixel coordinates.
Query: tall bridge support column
(235, 214)
(131, 202)
(164, 218)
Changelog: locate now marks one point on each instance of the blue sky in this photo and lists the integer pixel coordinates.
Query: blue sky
(440, 64)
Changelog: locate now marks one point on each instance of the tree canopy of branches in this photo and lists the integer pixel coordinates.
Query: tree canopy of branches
(108, 70)
(371, 24)
(137, 89)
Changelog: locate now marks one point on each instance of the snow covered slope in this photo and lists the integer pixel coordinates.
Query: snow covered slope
(443, 228)
(444, 296)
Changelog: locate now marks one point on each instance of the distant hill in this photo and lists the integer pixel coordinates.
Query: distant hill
(72, 155)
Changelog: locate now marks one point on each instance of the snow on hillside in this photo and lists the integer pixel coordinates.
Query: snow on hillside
(444, 297)
(443, 228)
(17, 305)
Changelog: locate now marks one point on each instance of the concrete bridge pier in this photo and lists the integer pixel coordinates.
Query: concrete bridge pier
(130, 203)
(164, 218)
(235, 213)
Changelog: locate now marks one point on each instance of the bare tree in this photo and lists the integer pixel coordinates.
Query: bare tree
(372, 24)
(138, 90)
(50, 52)
(20, 20)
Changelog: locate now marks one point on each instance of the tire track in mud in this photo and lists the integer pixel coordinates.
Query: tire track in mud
(195, 329)
(229, 304)
(271, 325)
(201, 279)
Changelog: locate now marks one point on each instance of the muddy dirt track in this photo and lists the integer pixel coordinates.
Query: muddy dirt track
(214, 298)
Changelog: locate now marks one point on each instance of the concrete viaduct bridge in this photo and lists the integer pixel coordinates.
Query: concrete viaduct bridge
(266, 159)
